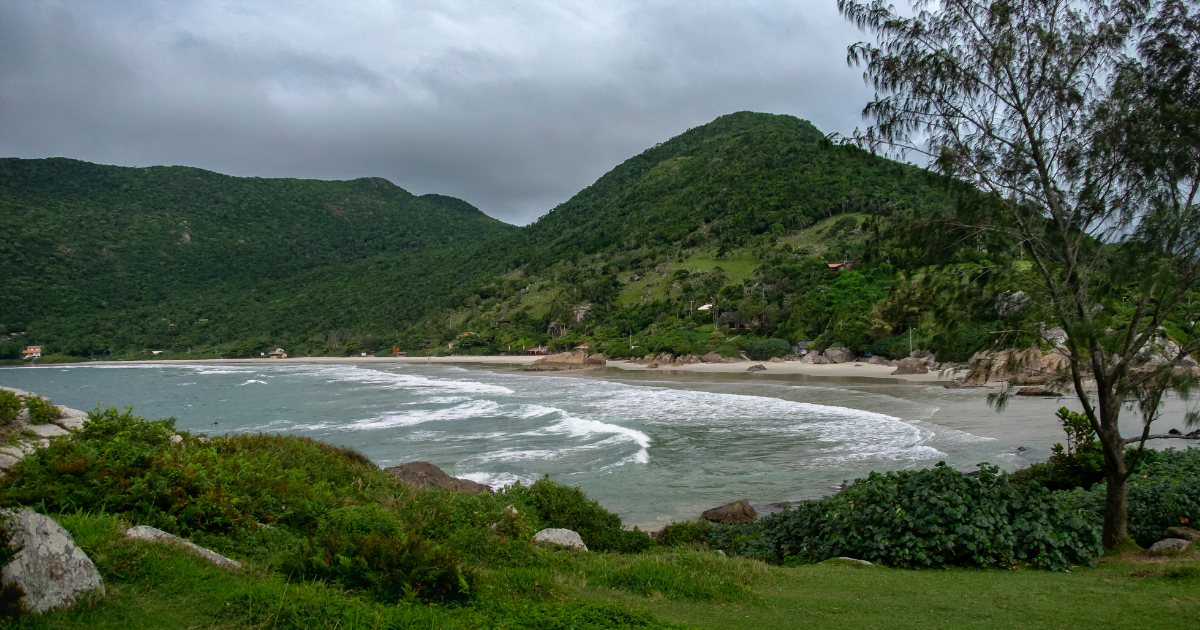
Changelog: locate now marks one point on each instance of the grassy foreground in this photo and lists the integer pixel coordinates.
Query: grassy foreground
(154, 586)
(328, 540)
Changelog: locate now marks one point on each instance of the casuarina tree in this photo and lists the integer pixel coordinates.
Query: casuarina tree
(1071, 128)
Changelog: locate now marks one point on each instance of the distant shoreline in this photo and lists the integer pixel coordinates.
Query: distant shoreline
(838, 370)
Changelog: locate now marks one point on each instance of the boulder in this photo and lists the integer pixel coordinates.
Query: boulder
(1037, 391)
(838, 355)
(878, 360)
(70, 418)
(712, 357)
(849, 559)
(757, 367)
(736, 512)
(561, 537)
(911, 365)
(51, 569)
(145, 532)
(732, 360)
(7, 461)
(815, 358)
(1183, 533)
(424, 475)
(776, 360)
(986, 366)
(1168, 546)
(595, 359)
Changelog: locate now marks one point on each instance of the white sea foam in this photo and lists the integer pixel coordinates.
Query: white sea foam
(462, 411)
(253, 381)
(396, 380)
(498, 480)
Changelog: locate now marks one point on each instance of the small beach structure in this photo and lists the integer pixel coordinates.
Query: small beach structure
(842, 266)
(278, 353)
(583, 346)
(31, 352)
(540, 350)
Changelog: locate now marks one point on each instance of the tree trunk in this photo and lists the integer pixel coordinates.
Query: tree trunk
(1116, 520)
(1116, 517)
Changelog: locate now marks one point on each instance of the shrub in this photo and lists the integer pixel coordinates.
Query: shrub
(10, 407)
(763, 349)
(568, 507)
(683, 533)
(41, 410)
(122, 463)
(894, 347)
(364, 548)
(935, 517)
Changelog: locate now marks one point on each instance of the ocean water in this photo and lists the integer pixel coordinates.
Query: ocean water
(652, 449)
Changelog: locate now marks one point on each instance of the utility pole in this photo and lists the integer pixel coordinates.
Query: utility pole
(910, 341)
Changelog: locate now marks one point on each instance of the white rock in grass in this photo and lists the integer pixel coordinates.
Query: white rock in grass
(145, 532)
(50, 568)
(1168, 545)
(561, 537)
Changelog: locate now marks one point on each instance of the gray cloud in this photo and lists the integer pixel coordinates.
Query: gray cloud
(513, 108)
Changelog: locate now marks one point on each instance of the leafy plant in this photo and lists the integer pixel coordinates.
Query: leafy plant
(935, 518)
(763, 349)
(10, 407)
(41, 410)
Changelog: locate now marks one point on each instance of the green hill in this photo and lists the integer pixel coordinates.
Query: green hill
(101, 258)
(743, 213)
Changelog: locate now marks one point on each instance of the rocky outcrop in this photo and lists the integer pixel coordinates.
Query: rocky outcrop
(51, 569)
(815, 358)
(838, 355)
(567, 361)
(911, 365)
(145, 532)
(757, 367)
(560, 537)
(424, 475)
(1036, 391)
(735, 512)
(1027, 367)
(68, 420)
(712, 357)
(1168, 546)
(878, 360)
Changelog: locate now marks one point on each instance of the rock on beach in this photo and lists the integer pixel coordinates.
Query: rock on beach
(424, 475)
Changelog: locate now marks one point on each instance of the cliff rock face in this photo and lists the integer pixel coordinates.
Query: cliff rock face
(50, 568)
(567, 361)
(423, 475)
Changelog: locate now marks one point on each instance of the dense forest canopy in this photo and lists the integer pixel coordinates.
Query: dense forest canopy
(745, 214)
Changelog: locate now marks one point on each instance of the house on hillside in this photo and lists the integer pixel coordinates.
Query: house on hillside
(842, 266)
(278, 353)
(31, 352)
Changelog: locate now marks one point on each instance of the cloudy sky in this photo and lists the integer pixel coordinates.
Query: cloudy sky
(513, 106)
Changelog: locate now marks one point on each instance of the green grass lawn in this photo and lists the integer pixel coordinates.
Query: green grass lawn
(156, 586)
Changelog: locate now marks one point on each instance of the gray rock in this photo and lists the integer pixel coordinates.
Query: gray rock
(8, 461)
(838, 355)
(177, 439)
(47, 430)
(145, 532)
(1168, 545)
(1186, 533)
(51, 569)
(560, 537)
(733, 512)
(711, 357)
(911, 365)
(849, 559)
(757, 367)
(70, 418)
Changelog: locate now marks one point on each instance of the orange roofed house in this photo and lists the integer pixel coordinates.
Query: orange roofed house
(31, 352)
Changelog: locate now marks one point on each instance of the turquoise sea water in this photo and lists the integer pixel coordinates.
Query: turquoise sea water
(649, 448)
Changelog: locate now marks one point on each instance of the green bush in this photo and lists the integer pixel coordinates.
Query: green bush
(763, 349)
(10, 407)
(682, 533)
(41, 410)
(894, 347)
(365, 548)
(934, 518)
(122, 463)
(568, 507)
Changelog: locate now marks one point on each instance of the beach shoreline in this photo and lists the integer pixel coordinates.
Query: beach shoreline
(836, 370)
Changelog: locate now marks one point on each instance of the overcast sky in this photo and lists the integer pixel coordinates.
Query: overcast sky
(512, 106)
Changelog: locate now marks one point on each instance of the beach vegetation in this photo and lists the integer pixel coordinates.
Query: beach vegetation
(10, 407)
(41, 410)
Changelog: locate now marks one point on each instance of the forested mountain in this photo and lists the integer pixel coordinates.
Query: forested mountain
(101, 258)
(744, 213)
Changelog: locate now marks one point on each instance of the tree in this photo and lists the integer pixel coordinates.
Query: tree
(1050, 134)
